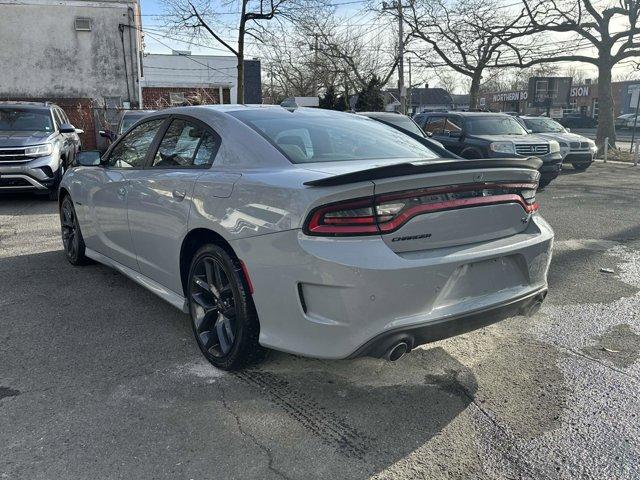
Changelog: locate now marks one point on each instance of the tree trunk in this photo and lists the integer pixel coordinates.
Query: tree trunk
(474, 92)
(240, 87)
(606, 125)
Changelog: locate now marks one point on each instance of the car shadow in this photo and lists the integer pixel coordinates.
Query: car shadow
(103, 331)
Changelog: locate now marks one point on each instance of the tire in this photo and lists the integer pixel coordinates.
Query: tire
(53, 192)
(74, 247)
(223, 318)
(543, 183)
(581, 167)
(471, 154)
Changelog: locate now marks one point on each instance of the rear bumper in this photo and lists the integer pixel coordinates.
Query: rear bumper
(330, 297)
(449, 327)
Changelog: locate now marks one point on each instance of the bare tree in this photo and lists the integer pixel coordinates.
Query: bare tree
(351, 56)
(199, 18)
(609, 27)
(468, 36)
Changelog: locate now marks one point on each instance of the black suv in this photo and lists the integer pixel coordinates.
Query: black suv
(491, 135)
(37, 144)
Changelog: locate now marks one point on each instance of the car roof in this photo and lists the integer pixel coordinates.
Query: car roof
(138, 113)
(380, 114)
(469, 114)
(27, 105)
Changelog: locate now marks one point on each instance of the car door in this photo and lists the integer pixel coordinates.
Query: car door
(107, 194)
(161, 196)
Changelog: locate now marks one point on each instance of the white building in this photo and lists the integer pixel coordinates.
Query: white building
(170, 78)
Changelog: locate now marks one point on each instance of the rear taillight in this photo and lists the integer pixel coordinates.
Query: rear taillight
(387, 213)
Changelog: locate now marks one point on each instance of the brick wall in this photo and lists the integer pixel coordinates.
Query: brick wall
(160, 97)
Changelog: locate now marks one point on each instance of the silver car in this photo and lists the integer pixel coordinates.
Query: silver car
(37, 144)
(313, 232)
(575, 149)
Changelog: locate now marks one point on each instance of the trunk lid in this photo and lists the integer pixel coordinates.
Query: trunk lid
(451, 208)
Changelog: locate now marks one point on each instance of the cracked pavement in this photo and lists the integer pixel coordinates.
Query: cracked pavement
(100, 379)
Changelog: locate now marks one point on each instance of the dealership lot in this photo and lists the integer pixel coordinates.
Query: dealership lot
(100, 379)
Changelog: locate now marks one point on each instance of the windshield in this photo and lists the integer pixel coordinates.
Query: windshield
(304, 136)
(25, 119)
(403, 122)
(127, 121)
(543, 125)
(494, 126)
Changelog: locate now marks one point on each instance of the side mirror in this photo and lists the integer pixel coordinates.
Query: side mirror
(88, 158)
(455, 134)
(529, 130)
(108, 134)
(79, 131)
(568, 130)
(67, 128)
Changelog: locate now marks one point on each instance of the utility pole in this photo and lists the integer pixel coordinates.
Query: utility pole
(409, 92)
(315, 65)
(401, 88)
(273, 98)
(403, 92)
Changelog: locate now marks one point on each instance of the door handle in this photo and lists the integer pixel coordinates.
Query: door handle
(122, 192)
(179, 194)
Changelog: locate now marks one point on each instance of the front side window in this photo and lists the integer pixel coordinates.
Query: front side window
(494, 126)
(185, 145)
(25, 119)
(305, 136)
(453, 125)
(434, 125)
(131, 151)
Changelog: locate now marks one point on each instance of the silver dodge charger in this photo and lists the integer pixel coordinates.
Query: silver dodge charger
(313, 232)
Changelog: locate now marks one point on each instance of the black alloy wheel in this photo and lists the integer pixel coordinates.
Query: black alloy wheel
(223, 317)
(72, 240)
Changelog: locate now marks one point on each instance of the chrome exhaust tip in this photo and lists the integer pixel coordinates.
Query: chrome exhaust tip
(397, 351)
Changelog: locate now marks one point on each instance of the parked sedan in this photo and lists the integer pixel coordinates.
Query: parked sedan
(313, 232)
(407, 125)
(575, 149)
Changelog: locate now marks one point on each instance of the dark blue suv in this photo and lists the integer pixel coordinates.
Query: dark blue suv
(491, 135)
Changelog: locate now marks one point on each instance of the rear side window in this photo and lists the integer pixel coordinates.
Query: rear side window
(131, 150)
(434, 125)
(184, 145)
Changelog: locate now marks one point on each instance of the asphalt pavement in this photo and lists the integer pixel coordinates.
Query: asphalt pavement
(100, 379)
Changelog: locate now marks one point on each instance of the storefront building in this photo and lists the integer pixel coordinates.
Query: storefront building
(583, 99)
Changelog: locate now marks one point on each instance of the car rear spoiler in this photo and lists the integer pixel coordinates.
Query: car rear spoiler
(430, 166)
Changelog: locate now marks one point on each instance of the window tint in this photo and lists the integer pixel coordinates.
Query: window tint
(453, 124)
(185, 145)
(206, 150)
(434, 125)
(130, 152)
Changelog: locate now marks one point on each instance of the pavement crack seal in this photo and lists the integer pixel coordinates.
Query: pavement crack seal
(246, 434)
(323, 423)
(8, 392)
